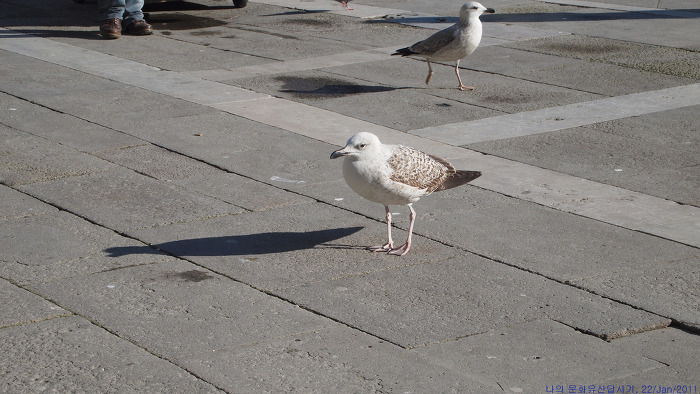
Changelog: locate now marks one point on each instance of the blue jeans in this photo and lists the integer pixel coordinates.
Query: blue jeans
(128, 10)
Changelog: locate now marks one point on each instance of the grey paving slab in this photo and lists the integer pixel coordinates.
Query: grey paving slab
(122, 199)
(59, 245)
(653, 153)
(25, 159)
(267, 154)
(17, 205)
(162, 51)
(50, 124)
(209, 136)
(502, 59)
(343, 28)
(337, 359)
(157, 162)
(138, 103)
(500, 93)
(243, 192)
(275, 45)
(287, 247)
(673, 347)
(605, 79)
(662, 60)
(539, 239)
(19, 306)
(27, 77)
(398, 108)
(466, 295)
(278, 67)
(411, 105)
(537, 356)
(666, 30)
(204, 178)
(157, 305)
(73, 355)
(669, 289)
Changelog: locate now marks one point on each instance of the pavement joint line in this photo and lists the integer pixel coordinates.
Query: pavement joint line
(564, 117)
(606, 203)
(111, 332)
(629, 8)
(319, 62)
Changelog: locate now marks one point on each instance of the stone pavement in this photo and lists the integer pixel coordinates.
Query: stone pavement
(171, 222)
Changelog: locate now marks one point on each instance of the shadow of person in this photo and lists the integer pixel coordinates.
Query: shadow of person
(236, 245)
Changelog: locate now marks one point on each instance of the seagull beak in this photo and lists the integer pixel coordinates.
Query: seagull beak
(339, 153)
(490, 10)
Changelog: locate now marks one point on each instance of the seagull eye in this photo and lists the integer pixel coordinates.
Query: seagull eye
(362, 146)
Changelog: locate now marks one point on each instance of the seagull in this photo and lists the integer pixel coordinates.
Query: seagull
(395, 175)
(452, 44)
(345, 4)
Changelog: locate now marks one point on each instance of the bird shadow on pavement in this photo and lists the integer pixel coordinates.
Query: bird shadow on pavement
(326, 87)
(249, 244)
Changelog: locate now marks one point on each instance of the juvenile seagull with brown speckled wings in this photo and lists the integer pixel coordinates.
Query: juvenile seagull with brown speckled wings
(395, 175)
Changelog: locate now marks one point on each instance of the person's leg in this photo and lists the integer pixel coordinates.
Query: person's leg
(133, 19)
(111, 9)
(110, 13)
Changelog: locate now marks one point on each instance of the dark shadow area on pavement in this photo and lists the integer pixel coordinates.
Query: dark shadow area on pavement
(237, 245)
(324, 87)
(553, 17)
(55, 20)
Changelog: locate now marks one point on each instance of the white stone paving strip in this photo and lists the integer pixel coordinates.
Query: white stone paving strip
(606, 203)
(566, 116)
(170, 83)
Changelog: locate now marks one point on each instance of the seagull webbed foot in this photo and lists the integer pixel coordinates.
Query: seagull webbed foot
(401, 250)
(387, 247)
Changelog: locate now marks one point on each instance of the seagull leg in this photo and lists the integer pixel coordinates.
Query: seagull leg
(403, 249)
(345, 4)
(387, 247)
(461, 86)
(430, 72)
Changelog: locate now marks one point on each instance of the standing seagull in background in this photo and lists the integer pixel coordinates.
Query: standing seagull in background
(395, 175)
(452, 44)
(345, 4)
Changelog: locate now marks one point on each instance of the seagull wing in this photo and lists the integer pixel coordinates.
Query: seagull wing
(421, 170)
(435, 43)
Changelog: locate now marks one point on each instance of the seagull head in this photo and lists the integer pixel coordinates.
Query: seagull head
(360, 145)
(473, 9)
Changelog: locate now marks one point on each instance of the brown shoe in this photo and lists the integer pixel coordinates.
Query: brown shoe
(111, 28)
(139, 28)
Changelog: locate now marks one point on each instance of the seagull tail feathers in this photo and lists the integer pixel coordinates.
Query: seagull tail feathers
(459, 178)
(404, 52)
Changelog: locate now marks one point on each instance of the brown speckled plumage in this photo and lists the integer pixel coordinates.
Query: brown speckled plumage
(415, 168)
